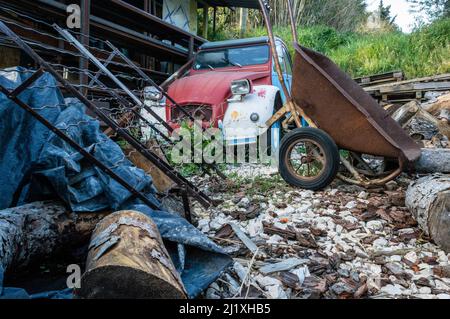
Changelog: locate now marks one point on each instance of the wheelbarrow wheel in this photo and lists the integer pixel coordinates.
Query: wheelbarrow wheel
(308, 158)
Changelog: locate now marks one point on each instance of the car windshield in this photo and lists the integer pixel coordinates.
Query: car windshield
(222, 58)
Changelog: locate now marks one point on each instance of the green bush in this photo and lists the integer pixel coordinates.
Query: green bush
(424, 52)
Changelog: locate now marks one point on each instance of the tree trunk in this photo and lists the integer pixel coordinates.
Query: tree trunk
(38, 230)
(429, 201)
(127, 259)
(433, 160)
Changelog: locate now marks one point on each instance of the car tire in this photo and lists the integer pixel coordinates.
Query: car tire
(330, 152)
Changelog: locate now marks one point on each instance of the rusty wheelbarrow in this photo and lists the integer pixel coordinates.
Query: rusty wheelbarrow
(349, 134)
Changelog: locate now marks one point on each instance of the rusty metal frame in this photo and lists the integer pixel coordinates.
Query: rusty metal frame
(182, 182)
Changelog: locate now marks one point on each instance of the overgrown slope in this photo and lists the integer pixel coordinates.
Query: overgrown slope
(422, 53)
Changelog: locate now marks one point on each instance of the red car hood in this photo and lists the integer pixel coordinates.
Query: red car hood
(208, 87)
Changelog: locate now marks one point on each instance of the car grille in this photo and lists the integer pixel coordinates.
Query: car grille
(198, 112)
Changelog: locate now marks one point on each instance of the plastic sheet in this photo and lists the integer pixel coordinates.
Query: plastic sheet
(35, 164)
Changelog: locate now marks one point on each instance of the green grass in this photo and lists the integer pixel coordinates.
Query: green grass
(424, 52)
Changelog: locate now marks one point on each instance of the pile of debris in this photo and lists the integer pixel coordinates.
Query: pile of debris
(343, 242)
(427, 123)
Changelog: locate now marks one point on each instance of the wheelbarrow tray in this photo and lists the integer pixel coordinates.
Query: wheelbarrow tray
(340, 107)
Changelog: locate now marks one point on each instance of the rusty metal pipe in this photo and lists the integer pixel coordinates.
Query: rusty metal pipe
(266, 17)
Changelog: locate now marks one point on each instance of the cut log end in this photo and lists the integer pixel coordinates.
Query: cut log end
(127, 259)
(121, 282)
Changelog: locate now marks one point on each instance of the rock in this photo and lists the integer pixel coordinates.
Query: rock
(395, 268)
(374, 225)
(351, 205)
(425, 290)
(276, 292)
(254, 227)
(392, 290)
(284, 265)
(411, 257)
(380, 242)
(265, 281)
(443, 296)
(240, 270)
(391, 186)
(275, 239)
(363, 195)
(342, 288)
(244, 202)
(375, 269)
(302, 273)
(203, 225)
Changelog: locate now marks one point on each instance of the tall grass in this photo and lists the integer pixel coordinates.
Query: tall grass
(424, 52)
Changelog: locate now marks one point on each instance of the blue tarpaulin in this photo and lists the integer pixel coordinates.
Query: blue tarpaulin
(35, 164)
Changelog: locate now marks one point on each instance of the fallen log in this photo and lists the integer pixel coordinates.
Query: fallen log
(433, 160)
(428, 199)
(127, 259)
(38, 230)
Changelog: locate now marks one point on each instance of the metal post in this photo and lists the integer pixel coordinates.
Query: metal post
(191, 47)
(85, 33)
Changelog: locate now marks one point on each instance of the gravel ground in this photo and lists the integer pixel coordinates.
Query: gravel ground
(343, 242)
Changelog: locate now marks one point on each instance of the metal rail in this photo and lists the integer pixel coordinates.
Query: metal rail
(124, 133)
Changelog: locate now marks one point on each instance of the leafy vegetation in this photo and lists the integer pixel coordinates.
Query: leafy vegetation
(424, 52)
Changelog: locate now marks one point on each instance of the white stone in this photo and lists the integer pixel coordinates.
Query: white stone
(254, 227)
(288, 211)
(265, 281)
(333, 191)
(374, 225)
(424, 290)
(411, 257)
(203, 225)
(276, 292)
(351, 205)
(351, 219)
(301, 273)
(280, 225)
(374, 269)
(380, 242)
(396, 258)
(443, 258)
(275, 239)
(392, 289)
(443, 296)
(441, 285)
(363, 195)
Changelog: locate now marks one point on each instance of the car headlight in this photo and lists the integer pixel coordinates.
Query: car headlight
(152, 93)
(240, 87)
